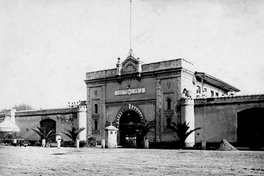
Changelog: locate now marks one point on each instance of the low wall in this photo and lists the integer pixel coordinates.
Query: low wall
(218, 116)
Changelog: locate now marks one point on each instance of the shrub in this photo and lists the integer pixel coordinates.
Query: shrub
(83, 144)
(91, 141)
(181, 130)
(44, 134)
(37, 143)
(73, 133)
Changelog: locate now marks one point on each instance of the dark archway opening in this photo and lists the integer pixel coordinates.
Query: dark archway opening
(129, 121)
(250, 128)
(49, 124)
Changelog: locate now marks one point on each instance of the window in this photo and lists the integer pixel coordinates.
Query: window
(95, 125)
(216, 94)
(96, 108)
(168, 122)
(169, 103)
(212, 93)
(205, 90)
(198, 90)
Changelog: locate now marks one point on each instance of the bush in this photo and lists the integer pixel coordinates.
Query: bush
(91, 141)
(83, 144)
(37, 143)
(67, 144)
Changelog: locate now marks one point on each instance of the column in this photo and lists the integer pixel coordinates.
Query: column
(187, 114)
(82, 122)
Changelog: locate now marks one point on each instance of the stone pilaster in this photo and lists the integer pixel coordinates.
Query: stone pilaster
(88, 114)
(158, 111)
(103, 113)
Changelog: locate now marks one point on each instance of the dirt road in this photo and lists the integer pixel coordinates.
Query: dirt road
(97, 161)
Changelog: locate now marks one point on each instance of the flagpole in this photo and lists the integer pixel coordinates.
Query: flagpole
(130, 51)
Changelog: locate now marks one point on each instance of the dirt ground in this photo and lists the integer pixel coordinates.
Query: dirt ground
(98, 161)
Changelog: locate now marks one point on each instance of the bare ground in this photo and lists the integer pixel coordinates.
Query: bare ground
(97, 161)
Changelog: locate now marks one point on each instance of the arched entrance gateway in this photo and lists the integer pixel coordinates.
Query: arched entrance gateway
(250, 131)
(49, 124)
(128, 120)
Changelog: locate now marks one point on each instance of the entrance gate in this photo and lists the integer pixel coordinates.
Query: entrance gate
(250, 131)
(49, 124)
(128, 120)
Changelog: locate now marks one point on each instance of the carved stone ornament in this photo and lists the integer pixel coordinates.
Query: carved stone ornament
(129, 65)
(169, 85)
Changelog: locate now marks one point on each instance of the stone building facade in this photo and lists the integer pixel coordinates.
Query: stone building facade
(159, 93)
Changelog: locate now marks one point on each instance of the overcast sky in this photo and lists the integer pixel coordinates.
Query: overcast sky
(47, 46)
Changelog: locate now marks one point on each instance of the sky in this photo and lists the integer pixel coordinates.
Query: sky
(47, 46)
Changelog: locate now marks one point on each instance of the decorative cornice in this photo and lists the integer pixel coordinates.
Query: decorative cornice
(134, 76)
(135, 66)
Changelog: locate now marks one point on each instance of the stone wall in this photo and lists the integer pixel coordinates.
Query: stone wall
(28, 120)
(218, 116)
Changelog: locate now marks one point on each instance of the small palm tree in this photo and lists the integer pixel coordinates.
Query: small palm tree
(73, 133)
(44, 134)
(181, 129)
(141, 131)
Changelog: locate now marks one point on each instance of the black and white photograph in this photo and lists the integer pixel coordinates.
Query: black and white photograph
(131, 87)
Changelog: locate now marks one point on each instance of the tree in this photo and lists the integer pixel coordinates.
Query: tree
(73, 133)
(181, 129)
(141, 131)
(22, 107)
(2, 111)
(43, 133)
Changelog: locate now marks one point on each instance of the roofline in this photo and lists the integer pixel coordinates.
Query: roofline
(144, 64)
(218, 80)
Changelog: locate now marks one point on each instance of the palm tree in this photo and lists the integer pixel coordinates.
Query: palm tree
(73, 133)
(141, 131)
(44, 134)
(181, 129)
